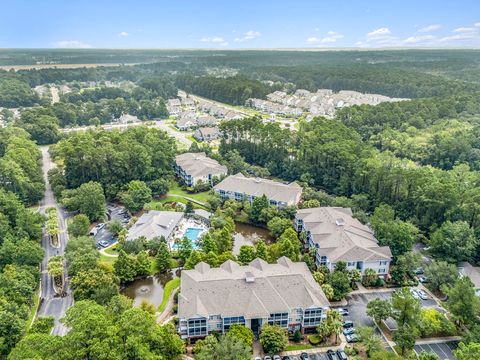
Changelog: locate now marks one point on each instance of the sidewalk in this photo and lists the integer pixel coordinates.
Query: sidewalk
(438, 340)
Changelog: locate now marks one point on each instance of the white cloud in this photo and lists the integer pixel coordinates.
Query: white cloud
(382, 36)
(214, 39)
(123, 33)
(331, 37)
(381, 32)
(429, 28)
(71, 44)
(464, 30)
(418, 39)
(313, 40)
(477, 24)
(249, 35)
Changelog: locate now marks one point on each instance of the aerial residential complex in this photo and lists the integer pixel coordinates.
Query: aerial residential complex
(191, 168)
(155, 224)
(238, 186)
(337, 236)
(285, 293)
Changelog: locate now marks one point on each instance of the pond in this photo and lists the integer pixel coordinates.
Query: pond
(246, 234)
(149, 288)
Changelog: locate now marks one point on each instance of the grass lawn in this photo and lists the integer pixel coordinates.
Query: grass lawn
(293, 347)
(113, 250)
(191, 138)
(175, 189)
(33, 310)
(107, 259)
(167, 291)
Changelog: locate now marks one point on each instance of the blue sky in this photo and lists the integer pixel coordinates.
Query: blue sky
(238, 24)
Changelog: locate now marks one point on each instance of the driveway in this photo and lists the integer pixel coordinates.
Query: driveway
(357, 306)
(443, 350)
(115, 212)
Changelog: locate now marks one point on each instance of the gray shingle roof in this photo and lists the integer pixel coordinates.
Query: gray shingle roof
(226, 291)
(198, 164)
(288, 193)
(341, 236)
(155, 224)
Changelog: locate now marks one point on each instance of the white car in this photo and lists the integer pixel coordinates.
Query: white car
(422, 294)
(342, 311)
(414, 294)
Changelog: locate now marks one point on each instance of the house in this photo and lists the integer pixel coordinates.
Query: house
(155, 224)
(473, 272)
(237, 186)
(338, 236)
(213, 299)
(185, 124)
(206, 133)
(174, 107)
(194, 167)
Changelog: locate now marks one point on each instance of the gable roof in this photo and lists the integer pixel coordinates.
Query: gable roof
(199, 164)
(340, 236)
(287, 193)
(255, 290)
(155, 224)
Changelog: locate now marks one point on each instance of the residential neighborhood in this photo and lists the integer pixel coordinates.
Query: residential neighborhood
(195, 168)
(337, 236)
(238, 186)
(284, 293)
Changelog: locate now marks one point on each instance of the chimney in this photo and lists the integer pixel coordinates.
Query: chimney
(249, 277)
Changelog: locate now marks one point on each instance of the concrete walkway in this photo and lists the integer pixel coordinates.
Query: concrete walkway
(187, 198)
(164, 316)
(440, 340)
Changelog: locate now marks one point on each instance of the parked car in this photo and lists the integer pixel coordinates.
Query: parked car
(342, 311)
(348, 331)
(341, 355)
(422, 294)
(97, 228)
(103, 243)
(419, 271)
(267, 358)
(303, 356)
(276, 357)
(352, 338)
(414, 294)
(347, 324)
(423, 279)
(258, 358)
(331, 355)
(286, 358)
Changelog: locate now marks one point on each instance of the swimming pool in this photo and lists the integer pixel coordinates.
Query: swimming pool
(192, 234)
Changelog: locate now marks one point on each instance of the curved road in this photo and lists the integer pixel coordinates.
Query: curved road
(50, 303)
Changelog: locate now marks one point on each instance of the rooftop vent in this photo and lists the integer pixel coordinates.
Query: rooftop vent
(249, 278)
(340, 222)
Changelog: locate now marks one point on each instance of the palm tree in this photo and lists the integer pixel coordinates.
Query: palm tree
(336, 323)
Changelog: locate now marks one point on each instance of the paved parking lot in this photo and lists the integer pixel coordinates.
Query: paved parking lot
(443, 350)
(357, 306)
(114, 213)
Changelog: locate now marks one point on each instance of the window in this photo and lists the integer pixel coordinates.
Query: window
(197, 327)
(312, 317)
(353, 263)
(278, 319)
(383, 263)
(238, 196)
(273, 202)
(381, 271)
(232, 320)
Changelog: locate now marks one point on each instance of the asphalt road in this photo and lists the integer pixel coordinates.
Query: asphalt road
(50, 303)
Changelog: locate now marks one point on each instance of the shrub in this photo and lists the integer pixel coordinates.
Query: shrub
(314, 339)
(297, 336)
